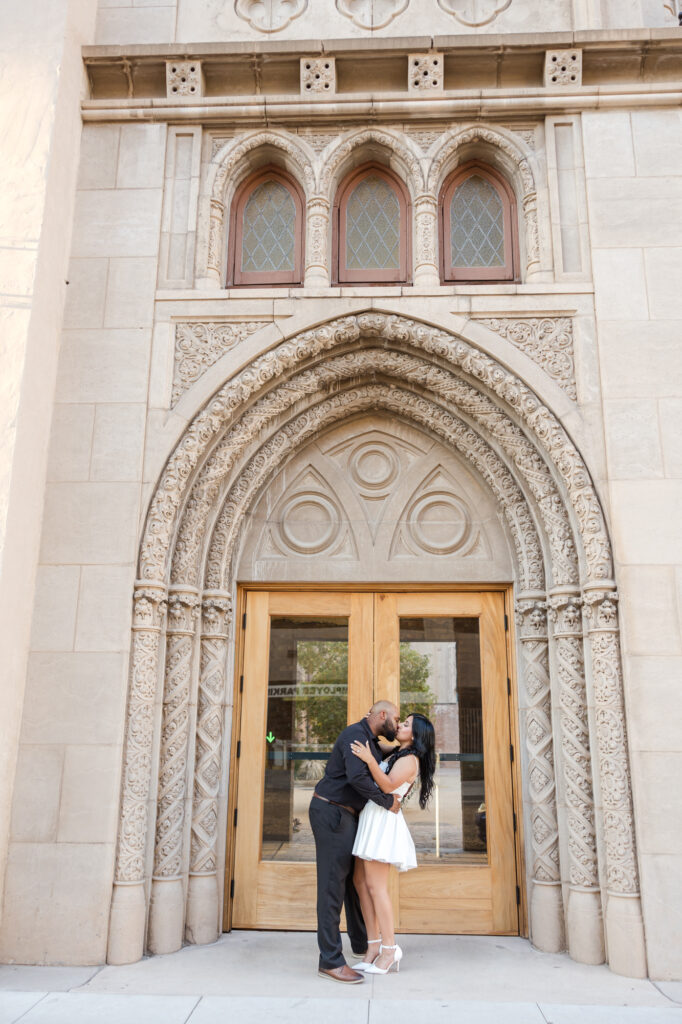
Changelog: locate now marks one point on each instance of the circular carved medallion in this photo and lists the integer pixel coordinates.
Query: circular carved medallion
(310, 523)
(439, 523)
(373, 466)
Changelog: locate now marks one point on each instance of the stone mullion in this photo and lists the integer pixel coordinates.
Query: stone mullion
(202, 923)
(317, 243)
(426, 268)
(585, 931)
(546, 908)
(624, 925)
(129, 905)
(166, 916)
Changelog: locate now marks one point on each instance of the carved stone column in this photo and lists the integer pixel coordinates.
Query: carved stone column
(317, 243)
(426, 272)
(202, 898)
(128, 905)
(546, 908)
(624, 925)
(216, 225)
(584, 925)
(167, 907)
(530, 213)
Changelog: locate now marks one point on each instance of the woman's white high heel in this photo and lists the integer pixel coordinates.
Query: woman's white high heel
(362, 966)
(397, 957)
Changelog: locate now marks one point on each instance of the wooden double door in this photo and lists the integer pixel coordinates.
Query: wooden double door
(314, 661)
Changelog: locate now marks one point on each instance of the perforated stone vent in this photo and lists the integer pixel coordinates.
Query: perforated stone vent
(425, 72)
(563, 67)
(184, 78)
(318, 76)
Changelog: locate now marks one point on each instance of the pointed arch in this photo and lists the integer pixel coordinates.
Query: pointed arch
(511, 157)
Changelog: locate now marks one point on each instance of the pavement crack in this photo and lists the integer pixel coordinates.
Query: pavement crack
(665, 995)
(192, 1010)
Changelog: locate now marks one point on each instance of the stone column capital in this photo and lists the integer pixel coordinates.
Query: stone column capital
(216, 614)
(149, 604)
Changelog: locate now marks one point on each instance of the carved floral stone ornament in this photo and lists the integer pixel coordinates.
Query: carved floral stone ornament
(269, 15)
(474, 13)
(372, 14)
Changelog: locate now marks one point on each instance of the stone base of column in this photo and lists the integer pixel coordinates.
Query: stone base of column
(585, 926)
(166, 915)
(126, 924)
(316, 277)
(201, 926)
(625, 936)
(547, 917)
(426, 276)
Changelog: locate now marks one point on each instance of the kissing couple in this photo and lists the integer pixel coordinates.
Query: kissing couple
(359, 828)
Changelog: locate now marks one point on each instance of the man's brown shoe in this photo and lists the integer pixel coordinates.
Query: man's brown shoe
(346, 975)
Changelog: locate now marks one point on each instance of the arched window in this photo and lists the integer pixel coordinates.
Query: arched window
(478, 226)
(371, 242)
(267, 231)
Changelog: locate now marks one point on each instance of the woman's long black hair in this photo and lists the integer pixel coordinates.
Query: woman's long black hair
(423, 747)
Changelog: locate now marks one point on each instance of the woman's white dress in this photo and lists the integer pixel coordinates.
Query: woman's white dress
(383, 835)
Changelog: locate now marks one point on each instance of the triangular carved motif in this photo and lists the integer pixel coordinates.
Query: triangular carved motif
(435, 521)
(308, 520)
(373, 463)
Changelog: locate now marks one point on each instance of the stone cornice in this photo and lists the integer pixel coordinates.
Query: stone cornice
(259, 80)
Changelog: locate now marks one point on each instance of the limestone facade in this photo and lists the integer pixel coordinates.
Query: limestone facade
(202, 435)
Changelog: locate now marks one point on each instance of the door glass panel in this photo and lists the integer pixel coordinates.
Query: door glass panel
(440, 675)
(307, 709)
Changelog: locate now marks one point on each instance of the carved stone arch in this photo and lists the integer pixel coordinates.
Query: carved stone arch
(230, 165)
(365, 144)
(401, 366)
(498, 397)
(509, 154)
(204, 431)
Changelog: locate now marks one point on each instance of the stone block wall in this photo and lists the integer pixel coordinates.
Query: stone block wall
(633, 163)
(68, 775)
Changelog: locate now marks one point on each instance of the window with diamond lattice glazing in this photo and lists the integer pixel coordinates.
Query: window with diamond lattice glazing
(371, 227)
(267, 228)
(478, 226)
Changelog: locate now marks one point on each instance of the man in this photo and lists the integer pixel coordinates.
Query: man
(339, 796)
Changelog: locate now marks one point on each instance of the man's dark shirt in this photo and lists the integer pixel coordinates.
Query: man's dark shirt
(347, 779)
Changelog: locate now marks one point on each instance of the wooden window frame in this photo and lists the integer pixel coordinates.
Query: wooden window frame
(341, 274)
(238, 277)
(506, 272)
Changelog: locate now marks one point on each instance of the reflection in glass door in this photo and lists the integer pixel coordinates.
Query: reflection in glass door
(440, 676)
(306, 710)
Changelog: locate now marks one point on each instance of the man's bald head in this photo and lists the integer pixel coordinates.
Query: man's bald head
(383, 705)
(383, 719)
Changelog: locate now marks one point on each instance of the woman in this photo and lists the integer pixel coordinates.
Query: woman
(383, 838)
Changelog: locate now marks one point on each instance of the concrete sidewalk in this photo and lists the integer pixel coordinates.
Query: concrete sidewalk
(251, 977)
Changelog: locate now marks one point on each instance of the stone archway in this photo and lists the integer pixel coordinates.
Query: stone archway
(216, 473)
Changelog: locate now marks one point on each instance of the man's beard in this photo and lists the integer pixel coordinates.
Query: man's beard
(389, 732)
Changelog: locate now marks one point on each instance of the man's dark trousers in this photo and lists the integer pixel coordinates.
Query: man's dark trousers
(334, 829)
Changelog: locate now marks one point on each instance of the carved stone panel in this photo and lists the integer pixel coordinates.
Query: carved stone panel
(548, 340)
(371, 13)
(375, 499)
(474, 13)
(270, 15)
(200, 345)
